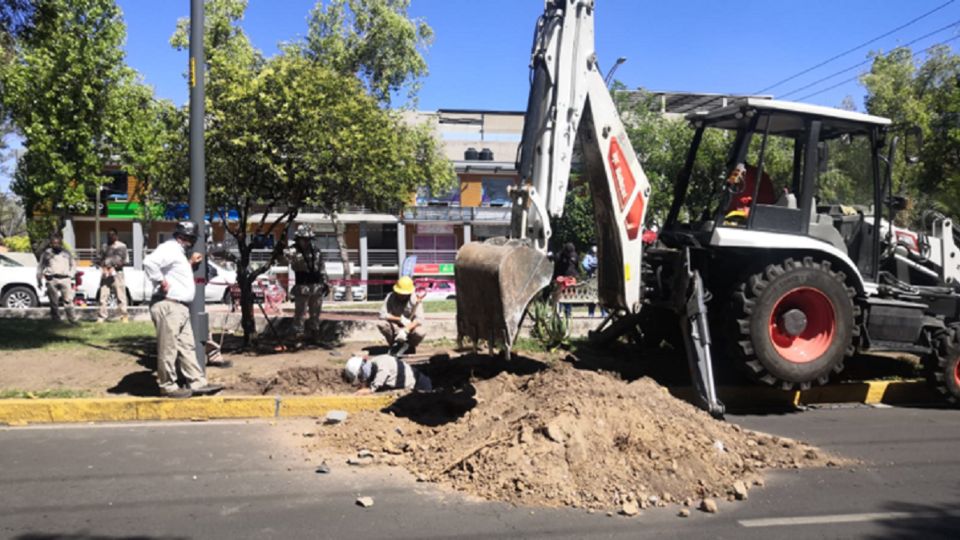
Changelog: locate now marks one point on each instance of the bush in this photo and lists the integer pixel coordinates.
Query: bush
(549, 328)
(19, 244)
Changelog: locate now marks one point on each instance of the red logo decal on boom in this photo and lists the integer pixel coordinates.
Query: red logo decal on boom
(626, 184)
(622, 176)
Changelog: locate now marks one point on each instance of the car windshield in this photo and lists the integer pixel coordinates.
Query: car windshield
(7, 261)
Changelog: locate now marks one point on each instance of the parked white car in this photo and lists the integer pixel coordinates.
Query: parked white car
(140, 289)
(18, 285)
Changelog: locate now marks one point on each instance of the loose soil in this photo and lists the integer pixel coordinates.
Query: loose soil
(127, 370)
(561, 436)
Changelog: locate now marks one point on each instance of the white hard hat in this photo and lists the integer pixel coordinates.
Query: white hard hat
(352, 369)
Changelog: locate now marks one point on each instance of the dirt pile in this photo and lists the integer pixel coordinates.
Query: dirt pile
(298, 380)
(568, 437)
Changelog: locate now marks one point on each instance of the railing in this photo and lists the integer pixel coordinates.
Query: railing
(382, 257)
(375, 257)
(429, 256)
(90, 255)
(466, 214)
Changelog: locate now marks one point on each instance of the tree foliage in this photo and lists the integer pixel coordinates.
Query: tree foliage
(926, 96)
(374, 40)
(12, 219)
(298, 130)
(56, 91)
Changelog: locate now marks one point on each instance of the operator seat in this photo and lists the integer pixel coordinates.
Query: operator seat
(821, 225)
(821, 228)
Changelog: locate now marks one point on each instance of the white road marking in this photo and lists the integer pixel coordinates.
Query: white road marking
(845, 518)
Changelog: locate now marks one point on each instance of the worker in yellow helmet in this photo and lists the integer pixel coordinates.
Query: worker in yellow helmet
(401, 317)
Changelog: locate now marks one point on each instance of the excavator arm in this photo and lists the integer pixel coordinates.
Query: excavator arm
(568, 100)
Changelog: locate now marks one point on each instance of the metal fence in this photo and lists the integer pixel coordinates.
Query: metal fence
(466, 214)
(440, 256)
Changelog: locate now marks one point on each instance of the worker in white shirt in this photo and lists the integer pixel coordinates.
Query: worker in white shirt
(172, 275)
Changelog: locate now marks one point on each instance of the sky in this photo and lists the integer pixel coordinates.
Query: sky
(481, 50)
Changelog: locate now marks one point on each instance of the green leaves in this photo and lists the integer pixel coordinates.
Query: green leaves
(57, 90)
(925, 96)
(373, 40)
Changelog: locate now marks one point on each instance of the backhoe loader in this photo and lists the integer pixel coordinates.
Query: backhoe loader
(799, 269)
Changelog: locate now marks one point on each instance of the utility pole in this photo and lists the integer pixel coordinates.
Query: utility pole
(198, 182)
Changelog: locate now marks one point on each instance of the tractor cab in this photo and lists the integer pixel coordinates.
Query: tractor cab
(793, 174)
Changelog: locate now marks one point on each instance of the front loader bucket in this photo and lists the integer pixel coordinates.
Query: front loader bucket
(496, 280)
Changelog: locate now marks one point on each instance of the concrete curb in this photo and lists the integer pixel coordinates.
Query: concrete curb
(866, 392)
(19, 412)
(16, 412)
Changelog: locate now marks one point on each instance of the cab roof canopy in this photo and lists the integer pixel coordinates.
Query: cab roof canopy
(787, 118)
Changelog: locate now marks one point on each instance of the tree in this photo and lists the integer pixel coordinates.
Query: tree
(577, 224)
(56, 91)
(374, 40)
(290, 131)
(12, 220)
(926, 96)
(149, 137)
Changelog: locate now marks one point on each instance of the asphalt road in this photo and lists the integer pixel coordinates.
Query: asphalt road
(252, 480)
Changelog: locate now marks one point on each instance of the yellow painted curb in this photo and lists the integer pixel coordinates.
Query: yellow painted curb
(869, 392)
(17, 412)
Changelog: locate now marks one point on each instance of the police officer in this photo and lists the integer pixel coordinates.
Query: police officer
(58, 267)
(311, 279)
(112, 259)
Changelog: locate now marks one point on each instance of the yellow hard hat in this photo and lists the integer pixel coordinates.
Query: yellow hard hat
(404, 286)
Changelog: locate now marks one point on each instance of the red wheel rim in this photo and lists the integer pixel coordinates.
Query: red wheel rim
(816, 337)
(956, 374)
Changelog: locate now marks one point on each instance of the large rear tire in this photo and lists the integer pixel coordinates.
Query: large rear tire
(794, 323)
(942, 367)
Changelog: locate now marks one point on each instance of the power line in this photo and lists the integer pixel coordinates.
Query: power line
(867, 61)
(855, 77)
(862, 45)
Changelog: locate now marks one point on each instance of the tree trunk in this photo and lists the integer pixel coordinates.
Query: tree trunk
(340, 229)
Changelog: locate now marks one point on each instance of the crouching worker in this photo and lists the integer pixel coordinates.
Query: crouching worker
(384, 372)
(401, 318)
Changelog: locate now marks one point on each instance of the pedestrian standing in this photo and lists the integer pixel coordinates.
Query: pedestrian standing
(58, 267)
(311, 280)
(567, 264)
(589, 266)
(172, 275)
(111, 260)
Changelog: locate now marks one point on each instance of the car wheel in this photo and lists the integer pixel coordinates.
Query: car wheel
(19, 298)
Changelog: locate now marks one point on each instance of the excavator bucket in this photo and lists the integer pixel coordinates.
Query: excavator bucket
(496, 280)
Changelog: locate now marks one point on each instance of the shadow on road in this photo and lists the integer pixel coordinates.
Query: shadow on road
(930, 522)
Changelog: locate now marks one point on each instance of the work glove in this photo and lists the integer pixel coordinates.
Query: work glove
(404, 322)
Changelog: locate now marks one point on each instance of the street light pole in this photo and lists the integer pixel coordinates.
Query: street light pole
(198, 187)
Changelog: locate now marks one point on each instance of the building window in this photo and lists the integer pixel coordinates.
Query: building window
(449, 198)
(435, 242)
(496, 191)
